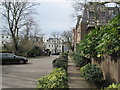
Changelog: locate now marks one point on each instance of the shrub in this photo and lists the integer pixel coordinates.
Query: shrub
(35, 51)
(81, 60)
(58, 62)
(56, 79)
(61, 61)
(72, 54)
(92, 72)
(113, 85)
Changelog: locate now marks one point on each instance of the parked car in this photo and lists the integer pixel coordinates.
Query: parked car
(11, 58)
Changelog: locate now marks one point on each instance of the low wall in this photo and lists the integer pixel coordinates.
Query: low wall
(110, 68)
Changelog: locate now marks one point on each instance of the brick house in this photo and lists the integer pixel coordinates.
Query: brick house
(94, 15)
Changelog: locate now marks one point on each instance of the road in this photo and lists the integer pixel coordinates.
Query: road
(26, 75)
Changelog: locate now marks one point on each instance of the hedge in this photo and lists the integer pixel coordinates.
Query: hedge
(56, 79)
(92, 73)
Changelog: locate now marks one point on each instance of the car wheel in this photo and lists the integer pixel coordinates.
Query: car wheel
(21, 62)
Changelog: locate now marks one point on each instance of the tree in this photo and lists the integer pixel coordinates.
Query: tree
(16, 14)
(67, 35)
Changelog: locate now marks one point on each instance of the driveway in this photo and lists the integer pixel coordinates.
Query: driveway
(25, 75)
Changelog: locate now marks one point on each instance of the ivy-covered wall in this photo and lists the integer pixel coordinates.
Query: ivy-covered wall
(102, 46)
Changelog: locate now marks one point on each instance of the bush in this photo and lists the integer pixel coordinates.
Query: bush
(64, 56)
(113, 85)
(58, 62)
(72, 54)
(81, 60)
(61, 61)
(56, 79)
(92, 72)
(35, 51)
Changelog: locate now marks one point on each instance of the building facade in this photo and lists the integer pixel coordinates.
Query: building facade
(4, 39)
(54, 45)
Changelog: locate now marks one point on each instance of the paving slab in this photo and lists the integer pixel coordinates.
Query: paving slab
(75, 80)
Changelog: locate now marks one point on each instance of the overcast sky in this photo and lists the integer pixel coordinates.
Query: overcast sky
(55, 16)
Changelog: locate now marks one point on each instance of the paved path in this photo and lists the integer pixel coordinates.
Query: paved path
(75, 80)
(25, 75)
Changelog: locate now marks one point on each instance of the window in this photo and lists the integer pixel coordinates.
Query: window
(2, 36)
(7, 37)
(91, 14)
(49, 45)
(102, 14)
(111, 12)
(10, 55)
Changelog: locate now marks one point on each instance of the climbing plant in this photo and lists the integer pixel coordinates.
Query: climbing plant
(105, 40)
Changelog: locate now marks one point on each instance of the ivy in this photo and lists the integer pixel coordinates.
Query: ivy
(105, 40)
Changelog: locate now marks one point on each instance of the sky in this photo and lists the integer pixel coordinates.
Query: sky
(55, 16)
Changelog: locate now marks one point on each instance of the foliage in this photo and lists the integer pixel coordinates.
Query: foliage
(64, 56)
(113, 85)
(88, 44)
(92, 72)
(4, 51)
(105, 40)
(80, 60)
(72, 54)
(61, 61)
(56, 79)
(35, 51)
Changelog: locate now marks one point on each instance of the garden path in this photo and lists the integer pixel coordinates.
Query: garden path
(75, 80)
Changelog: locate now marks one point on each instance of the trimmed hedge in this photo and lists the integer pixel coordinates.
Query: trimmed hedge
(61, 61)
(113, 86)
(58, 62)
(56, 79)
(92, 72)
(80, 60)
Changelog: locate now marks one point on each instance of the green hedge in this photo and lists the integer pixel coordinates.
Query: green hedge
(56, 79)
(92, 72)
(61, 61)
(80, 60)
(58, 62)
(113, 86)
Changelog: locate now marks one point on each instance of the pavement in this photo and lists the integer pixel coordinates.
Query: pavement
(75, 80)
(25, 75)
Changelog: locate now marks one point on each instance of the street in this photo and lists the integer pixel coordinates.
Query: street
(26, 75)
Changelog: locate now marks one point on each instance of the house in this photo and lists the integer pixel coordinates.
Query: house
(54, 45)
(94, 15)
(4, 38)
